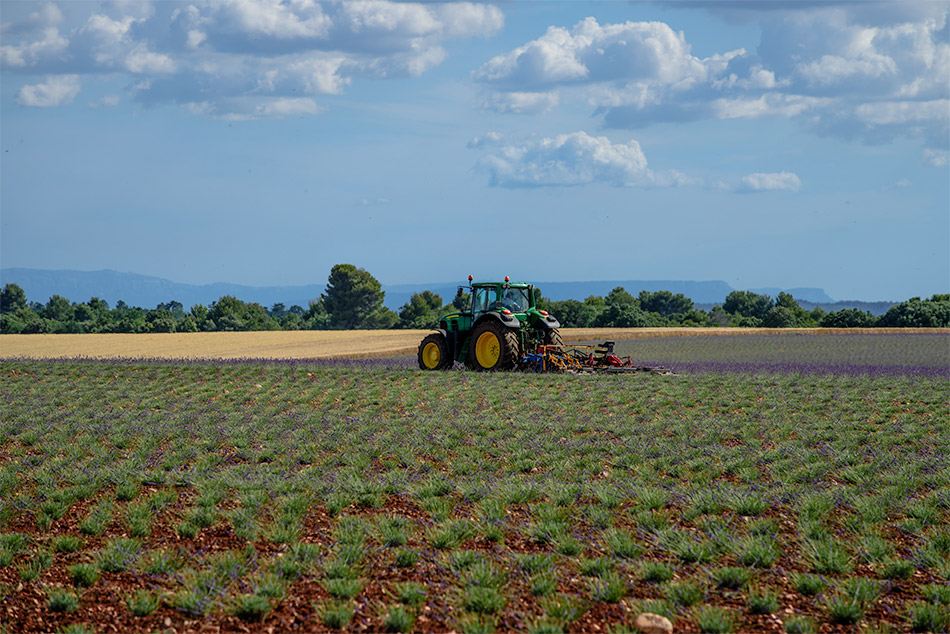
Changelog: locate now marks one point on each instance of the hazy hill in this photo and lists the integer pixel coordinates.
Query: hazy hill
(148, 291)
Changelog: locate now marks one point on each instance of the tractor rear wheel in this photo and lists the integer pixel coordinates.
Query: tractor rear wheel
(434, 353)
(493, 347)
(552, 338)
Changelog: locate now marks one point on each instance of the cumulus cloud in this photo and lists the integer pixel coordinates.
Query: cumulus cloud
(649, 52)
(775, 181)
(852, 70)
(253, 55)
(55, 91)
(565, 160)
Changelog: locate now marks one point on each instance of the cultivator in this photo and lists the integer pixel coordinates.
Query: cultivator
(599, 359)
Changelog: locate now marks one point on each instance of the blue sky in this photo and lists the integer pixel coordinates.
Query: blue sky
(764, 143)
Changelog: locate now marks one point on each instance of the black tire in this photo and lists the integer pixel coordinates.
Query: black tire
(435, 356)
(508, 349)
(552, 337)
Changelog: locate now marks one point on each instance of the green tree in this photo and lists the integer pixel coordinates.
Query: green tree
(316, 317)
(422, 311)
(779, 317)
(12, 298)
(791, 316)
(917, 313)
(848, 318)
(354, 300)
(620, 297)
(621, 315)
(160, 320)
(231, 314)
(11, 324)
(665, 303)
(58, 308)
(749, 306)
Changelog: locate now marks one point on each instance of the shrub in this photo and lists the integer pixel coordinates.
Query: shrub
(399, 619)
(61, 600)
(410, 593)
(731, 578)
(685, 593)
(655, 572)
(84, 575)
(406, 558)
(251, 607)
(763, 601)
(142, 602)
(609, 588)
(714, 620)
(343, 588)
(927, 617)
(67, 543)
(336, 614)
(800, 624)
(482, 600)
(808, 585)
(897, 569)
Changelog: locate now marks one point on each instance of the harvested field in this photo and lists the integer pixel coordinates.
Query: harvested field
(321, 344)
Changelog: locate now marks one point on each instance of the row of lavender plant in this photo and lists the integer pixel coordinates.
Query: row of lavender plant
(581, 496)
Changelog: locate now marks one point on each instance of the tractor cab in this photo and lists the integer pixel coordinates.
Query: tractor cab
(514, 298)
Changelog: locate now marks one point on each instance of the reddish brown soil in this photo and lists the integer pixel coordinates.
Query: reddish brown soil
(23, 607)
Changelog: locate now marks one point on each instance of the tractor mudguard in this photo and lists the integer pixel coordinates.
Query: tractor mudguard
(548, 323)
(509, 321)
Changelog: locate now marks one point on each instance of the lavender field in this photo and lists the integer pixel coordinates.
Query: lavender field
(783, 484)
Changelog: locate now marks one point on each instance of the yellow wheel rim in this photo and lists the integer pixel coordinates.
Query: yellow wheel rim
(431, 355)
(487, 350)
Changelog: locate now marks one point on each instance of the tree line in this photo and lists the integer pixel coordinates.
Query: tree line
(353, 299)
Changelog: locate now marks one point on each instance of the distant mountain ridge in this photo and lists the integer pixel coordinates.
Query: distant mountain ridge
(148, 291)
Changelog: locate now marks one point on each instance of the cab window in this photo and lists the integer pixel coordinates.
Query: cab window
(484, 299)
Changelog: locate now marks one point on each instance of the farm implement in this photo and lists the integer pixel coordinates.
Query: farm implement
(599, 359)
(503, 329)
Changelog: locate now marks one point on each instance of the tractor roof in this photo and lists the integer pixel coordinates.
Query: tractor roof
(494, 284)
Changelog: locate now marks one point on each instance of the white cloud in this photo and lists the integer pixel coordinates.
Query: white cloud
(273, 18)
(287, 108)
(222, 55)
(937, 158)
(853, 70)
(568, 159)
(467, 19)
(50, 43)
(899, 112)
(319, 74)
(141, 60)
(521, 102)
(489, 138)
(649, 52)
(248, 108)
(55, 91)
(775, 181)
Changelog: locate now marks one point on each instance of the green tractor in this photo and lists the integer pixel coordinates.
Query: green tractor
(502, 325)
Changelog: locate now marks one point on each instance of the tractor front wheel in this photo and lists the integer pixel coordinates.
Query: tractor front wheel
(434, 353)
(493, 347)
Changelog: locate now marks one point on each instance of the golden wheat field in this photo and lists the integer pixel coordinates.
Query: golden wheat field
(313, 344)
